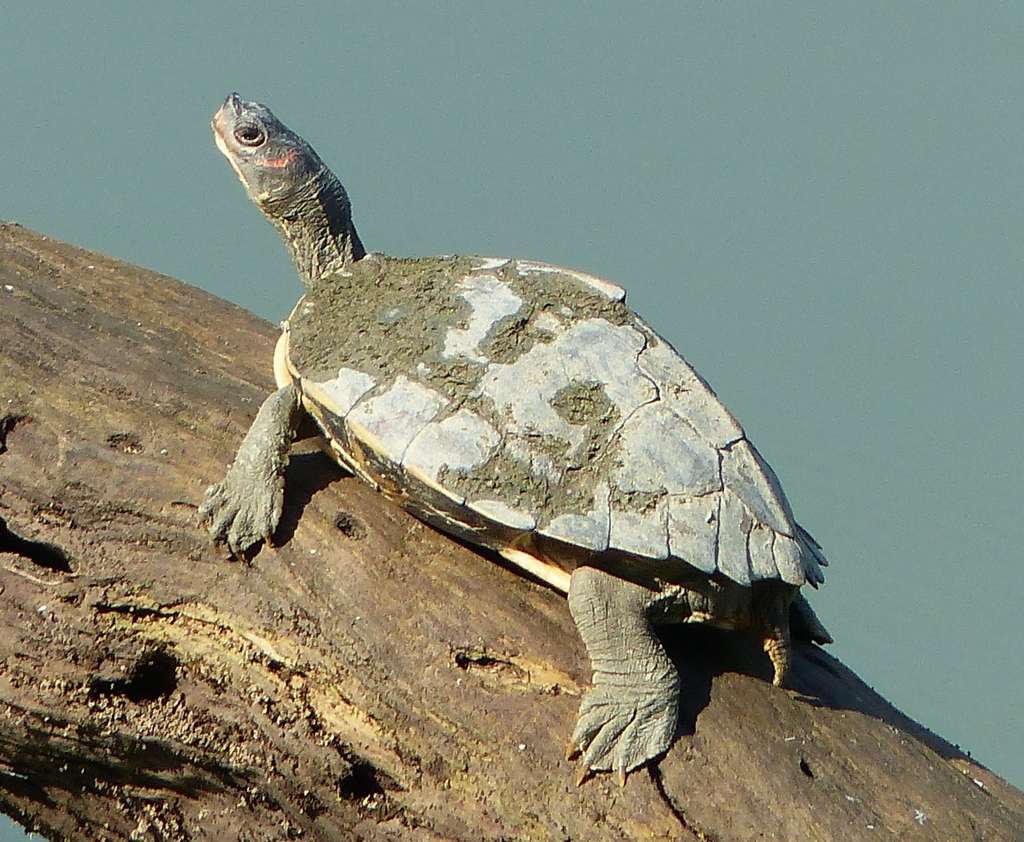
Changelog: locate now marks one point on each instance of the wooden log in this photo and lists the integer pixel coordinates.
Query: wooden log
(366, 678)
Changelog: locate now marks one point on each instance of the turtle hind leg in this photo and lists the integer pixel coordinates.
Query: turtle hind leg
(245, 507)
(769, 624)
(799, 621)
(779, 648)
(629, 717)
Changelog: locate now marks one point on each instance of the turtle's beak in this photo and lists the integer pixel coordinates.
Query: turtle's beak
(232, 108)
(227, 115)
(223, 123)
(234, 102)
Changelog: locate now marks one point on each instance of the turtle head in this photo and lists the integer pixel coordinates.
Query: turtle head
(289, 183)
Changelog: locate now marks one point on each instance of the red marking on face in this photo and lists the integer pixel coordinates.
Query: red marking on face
(283, 161)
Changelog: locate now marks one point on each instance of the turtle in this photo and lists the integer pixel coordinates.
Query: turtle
(522, 408)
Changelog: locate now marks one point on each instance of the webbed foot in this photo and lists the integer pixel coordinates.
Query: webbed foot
(629, 717)
(622, 727)
(241, 515)
(244, 508)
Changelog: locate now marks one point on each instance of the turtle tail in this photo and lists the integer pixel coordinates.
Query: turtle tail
(804, 623)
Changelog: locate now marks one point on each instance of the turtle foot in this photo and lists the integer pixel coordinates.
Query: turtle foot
(622, 728)
(241, 515)
(245, 507)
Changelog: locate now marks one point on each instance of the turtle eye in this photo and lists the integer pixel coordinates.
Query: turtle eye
(250, 136)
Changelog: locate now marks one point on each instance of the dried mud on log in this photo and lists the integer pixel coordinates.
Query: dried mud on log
(367, 678)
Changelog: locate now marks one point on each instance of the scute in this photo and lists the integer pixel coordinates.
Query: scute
(591, 351)
(459, 442)
(589, 530)
(501, 512)
(389, 421)
(344, 391)
(536, 402)
(613, 291)
(760, 551)
(749, 476)
(789, 560)
(693, 530)
(642, 531)
(687, 393)
(490, 301)
(691, 468)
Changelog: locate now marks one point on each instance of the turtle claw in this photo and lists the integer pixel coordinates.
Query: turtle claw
(620, 729)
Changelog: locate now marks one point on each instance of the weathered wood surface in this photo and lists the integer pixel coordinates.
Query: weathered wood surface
(367, 678)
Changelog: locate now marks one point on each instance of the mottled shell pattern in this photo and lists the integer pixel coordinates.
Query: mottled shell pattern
(505, 401)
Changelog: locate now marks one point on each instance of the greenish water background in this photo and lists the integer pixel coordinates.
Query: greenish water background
(818, 204)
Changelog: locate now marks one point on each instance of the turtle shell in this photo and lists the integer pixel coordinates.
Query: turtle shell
(509, 402)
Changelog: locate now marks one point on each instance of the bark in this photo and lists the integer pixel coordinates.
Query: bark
(366, 678)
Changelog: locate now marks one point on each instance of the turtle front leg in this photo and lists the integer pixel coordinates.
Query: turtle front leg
(629, 716)
(245, 506)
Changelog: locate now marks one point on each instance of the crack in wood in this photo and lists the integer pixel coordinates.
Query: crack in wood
(676, 811)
